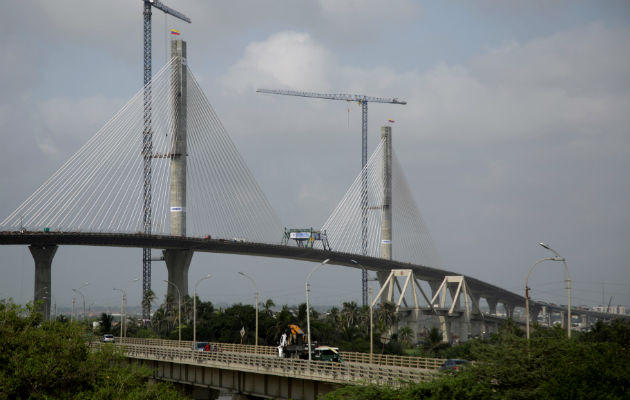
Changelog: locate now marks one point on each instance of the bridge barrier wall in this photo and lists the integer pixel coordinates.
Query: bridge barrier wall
(352, 357)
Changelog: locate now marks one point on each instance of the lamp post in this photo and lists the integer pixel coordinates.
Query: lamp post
(364, 274)
(255, 287)
(371, 324)
(566, 269)
(122, 310)
(82, 296)
(125, 331)
(179, 311)
(308, 311)
(527, 290)
(195, 311)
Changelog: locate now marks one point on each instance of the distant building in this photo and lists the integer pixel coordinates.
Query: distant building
(618, 309)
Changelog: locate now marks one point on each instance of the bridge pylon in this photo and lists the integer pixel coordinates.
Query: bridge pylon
(178, 261)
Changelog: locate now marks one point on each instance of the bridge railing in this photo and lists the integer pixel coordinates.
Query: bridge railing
(258, 363)
(349, 357)
(393, 360)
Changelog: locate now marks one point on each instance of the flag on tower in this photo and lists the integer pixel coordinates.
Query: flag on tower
(174, 32)
(391, 121)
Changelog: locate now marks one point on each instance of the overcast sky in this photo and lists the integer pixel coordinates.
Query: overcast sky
(516, 130)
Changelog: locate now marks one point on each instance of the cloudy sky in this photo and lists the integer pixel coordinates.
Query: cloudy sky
(515, 131)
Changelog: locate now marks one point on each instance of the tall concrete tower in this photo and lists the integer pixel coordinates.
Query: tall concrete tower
(386, 206)
(178, 139)
(178, 261)
(386, 210)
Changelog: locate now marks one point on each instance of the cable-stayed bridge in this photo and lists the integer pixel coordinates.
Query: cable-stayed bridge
(203, 197)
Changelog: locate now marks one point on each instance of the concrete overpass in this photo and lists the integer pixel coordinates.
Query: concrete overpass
(44, 244)
(258, 372)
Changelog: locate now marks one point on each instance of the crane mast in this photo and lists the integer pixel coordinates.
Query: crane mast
(363, 101)
(147, 142)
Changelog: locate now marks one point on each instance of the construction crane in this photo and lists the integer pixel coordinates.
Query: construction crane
(363, 101)
(147, 143)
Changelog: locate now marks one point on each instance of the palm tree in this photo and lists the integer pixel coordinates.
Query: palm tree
(267, 307)
(349, 314)
(106, 323)
(148, 298)
(405, 336)
(386, 315)
(433, 341)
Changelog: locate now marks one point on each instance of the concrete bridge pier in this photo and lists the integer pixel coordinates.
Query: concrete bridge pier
(509, 310)
(534, 311)
(43, 256)
(177, 264)
(492, 305)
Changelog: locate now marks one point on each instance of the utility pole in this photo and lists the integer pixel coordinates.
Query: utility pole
(363, 101)
(147, 140)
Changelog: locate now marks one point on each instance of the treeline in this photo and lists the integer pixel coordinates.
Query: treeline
(347, 327)
(591, 365)
(52, 360)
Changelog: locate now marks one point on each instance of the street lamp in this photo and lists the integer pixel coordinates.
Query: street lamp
(179, 312)
(255, 287)
(308, 312)
(195, 311)
(125, 330)
(527, 289)
(371, 324)
(82, 296)
(566, 269)
(364, 271)
(122, 309)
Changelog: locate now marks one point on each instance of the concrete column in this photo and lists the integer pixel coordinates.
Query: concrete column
(452, 289)
(43, 256)
(177, 264)
(509, 310)
(434, 285)
(533, 312)
(178, 139)
(492, 305)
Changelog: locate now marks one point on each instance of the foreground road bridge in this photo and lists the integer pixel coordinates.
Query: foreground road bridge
(257, 371)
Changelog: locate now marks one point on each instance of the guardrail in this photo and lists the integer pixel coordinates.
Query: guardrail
(346, 372)
(351, 357)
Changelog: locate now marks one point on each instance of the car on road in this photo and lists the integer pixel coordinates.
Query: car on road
(200, 346)
(327, 353)
(108, 338)
(454, 364)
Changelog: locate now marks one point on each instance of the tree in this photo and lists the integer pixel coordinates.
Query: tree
(267, 307)
(106, 323)
(51, 360)
(433, 341)
(148, 298)
(405, 336)
(349, 314)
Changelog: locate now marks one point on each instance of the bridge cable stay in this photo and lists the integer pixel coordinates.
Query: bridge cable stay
(412, 241)
(99, 189)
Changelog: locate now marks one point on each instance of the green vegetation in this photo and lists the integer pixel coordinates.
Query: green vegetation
(347, 328)
(593, 365)
(53, 360)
